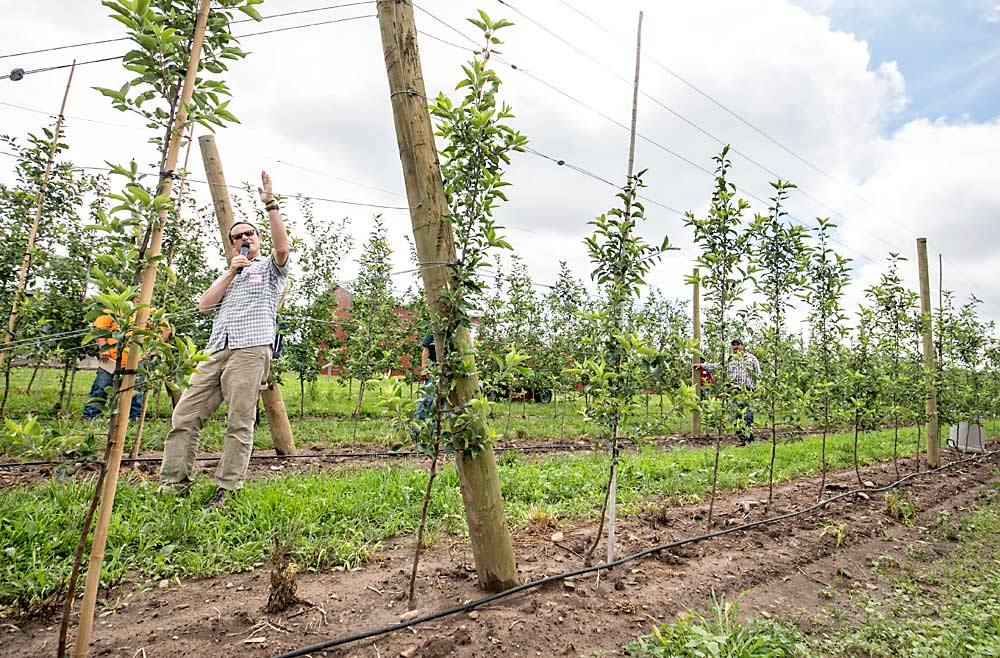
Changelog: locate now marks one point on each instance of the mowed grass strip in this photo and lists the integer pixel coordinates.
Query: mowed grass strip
(342, 518)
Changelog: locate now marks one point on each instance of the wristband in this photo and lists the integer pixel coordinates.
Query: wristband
(271, 206)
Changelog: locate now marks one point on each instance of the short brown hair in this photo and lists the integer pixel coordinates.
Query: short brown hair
(235, 224)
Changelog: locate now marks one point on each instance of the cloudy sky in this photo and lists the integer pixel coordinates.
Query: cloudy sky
(886, 114)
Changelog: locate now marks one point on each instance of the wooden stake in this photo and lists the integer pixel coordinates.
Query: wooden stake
(488, 532)
(696, 374)
(933, 429)
(137, 443)
(33, 232)
(117, 441)
(613, 481)
(274, 405)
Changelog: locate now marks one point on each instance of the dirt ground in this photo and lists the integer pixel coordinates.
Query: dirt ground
(320, 457)
(784, 566)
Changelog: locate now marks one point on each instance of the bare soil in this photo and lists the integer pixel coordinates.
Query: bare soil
(317, 457)
(784, 566)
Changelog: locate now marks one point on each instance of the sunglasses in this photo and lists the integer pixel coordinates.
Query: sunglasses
(244, 234)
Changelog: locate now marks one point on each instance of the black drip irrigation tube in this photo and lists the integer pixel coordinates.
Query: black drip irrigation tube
(374, 454)
(556, 447)
(385, 630)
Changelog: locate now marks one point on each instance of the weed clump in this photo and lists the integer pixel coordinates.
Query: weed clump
(901, 506)
(284, 592)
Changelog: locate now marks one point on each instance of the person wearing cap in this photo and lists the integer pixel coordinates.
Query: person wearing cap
(245, 301)
(742, 371)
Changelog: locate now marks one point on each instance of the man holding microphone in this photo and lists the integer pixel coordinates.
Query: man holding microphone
(245, 301)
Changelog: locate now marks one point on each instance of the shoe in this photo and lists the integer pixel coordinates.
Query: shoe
(218, 499)
(179, 489)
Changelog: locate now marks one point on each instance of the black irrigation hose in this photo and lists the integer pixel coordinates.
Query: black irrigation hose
(558, 447)
(555, 447)
(322, 646)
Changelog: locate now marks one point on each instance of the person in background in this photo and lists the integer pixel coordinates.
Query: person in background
(743, 371)
(107, 361)
(705, 378)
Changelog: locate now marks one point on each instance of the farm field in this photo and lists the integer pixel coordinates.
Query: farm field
(520, 401)
(349, 524)
(826, 573)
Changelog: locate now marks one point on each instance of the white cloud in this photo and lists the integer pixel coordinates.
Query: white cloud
(318, 98)
(992, 14)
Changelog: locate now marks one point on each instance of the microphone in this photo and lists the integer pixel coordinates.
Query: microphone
(244, 250)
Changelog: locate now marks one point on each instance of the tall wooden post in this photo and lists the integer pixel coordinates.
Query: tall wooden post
(933, 428)
(33, 232)
(274, 404)
(484, 510)
(695, 373)
(117, 435)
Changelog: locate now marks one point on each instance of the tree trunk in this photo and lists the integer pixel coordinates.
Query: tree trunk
(137, 444)
(510, 411)
(715, 480)
(69, 396)
(31, 381)
(774, 452)
(62, 385)
(857, 428)
(357, 408)
(895, 443)
(826, 426)
(588, 556)
(302, 398)
(156, 400)
(6, 386)
(412, 601)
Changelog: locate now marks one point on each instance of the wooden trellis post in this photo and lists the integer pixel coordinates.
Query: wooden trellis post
(33, 232)
(484, 511)
(274, 404)
(933, 427)
(117, 438)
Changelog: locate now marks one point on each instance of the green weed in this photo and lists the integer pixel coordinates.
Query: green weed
(722, 634)
(901, 506)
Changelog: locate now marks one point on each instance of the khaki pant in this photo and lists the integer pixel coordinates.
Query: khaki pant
(236, 377)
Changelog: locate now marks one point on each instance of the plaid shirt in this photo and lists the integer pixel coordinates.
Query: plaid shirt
(246, 315)
(742, 370)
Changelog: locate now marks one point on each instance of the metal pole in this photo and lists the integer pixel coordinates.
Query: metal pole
(696, 374)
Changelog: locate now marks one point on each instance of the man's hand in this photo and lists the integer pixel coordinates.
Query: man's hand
(266, 190)
(238, 261)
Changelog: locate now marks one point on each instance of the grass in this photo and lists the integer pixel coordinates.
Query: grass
(329, 403)
(345, 517)
(948, 608)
